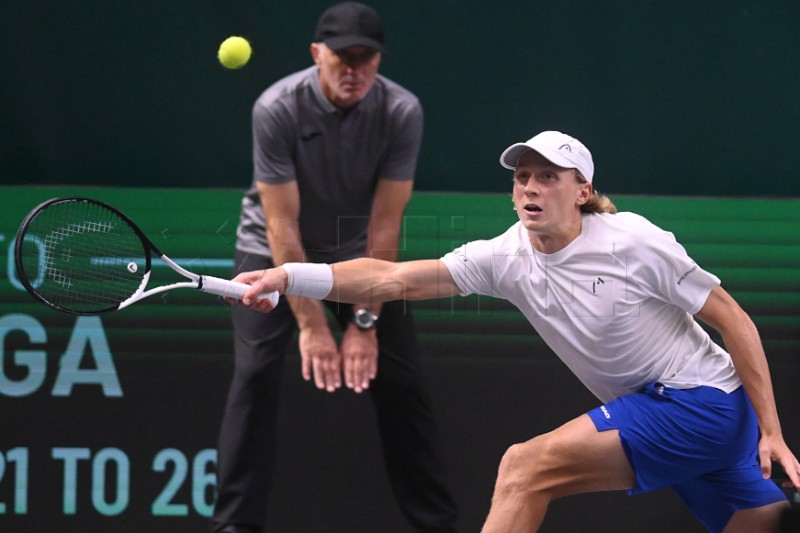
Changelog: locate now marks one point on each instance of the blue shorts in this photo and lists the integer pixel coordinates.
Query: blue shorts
(701, 442)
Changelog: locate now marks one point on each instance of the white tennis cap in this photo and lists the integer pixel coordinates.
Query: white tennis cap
(558, 148)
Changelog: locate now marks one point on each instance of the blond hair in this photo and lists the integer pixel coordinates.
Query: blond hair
(598, 203)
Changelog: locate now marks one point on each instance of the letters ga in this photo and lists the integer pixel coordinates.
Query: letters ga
(88, 339)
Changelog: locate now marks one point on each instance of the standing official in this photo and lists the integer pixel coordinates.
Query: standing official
(335, 148)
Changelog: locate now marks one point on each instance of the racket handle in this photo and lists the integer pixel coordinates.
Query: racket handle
(231, 289)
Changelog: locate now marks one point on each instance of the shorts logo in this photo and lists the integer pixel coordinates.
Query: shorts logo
(605, 411)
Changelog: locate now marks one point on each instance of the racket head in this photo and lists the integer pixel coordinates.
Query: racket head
(81, 256)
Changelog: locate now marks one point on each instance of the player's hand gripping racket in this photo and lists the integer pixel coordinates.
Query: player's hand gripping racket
(84, 257)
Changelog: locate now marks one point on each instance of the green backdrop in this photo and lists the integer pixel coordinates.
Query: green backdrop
(110, 423)
(682, 97)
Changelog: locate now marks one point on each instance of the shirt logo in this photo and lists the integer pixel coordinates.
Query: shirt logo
(598, 281)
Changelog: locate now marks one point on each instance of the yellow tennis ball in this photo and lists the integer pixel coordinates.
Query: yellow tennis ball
(234, 52)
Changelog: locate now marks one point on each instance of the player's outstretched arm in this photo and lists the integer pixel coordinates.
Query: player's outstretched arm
(357, 281)
(371, 280)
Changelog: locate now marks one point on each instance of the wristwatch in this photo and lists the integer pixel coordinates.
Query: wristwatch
(364, 319)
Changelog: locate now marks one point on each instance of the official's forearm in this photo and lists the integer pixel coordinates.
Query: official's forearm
(283, 244)
(382, 244)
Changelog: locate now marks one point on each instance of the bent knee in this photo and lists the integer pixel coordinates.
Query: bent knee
(528, 466)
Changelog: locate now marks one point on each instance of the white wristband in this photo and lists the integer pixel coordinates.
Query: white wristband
(312, 280)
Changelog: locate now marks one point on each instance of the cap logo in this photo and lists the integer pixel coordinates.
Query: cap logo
(568, 147)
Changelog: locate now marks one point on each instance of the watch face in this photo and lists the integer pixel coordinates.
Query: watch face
(364, 319)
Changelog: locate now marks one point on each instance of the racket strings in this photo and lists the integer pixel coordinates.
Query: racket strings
(83, 257)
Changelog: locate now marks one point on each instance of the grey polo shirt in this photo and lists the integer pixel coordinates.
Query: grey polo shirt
(336, 158)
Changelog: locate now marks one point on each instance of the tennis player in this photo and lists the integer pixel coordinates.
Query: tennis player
(614, 297)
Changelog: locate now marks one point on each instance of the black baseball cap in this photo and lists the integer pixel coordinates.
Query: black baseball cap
(350, 24)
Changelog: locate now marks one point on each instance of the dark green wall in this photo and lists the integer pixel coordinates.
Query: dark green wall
(687, 98)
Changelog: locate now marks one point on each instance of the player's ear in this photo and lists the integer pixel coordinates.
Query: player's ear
(315, 52)
(584, 193)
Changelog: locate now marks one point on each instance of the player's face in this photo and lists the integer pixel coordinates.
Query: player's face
(346, 76)
(547, 199)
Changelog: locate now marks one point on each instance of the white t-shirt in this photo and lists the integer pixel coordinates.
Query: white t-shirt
(615, 305)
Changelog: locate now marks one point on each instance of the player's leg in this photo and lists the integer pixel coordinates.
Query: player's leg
(247, 440)
(409, 431)
(572, 459)
(763, 519)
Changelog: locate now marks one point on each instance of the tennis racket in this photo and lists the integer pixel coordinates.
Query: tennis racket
(84, 257)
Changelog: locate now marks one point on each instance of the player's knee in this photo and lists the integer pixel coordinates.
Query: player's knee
(523, 467)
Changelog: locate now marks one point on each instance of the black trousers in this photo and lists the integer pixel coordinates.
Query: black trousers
(408, 430)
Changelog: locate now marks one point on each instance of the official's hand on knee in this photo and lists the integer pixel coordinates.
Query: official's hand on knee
(320, 358)
(359, 350)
